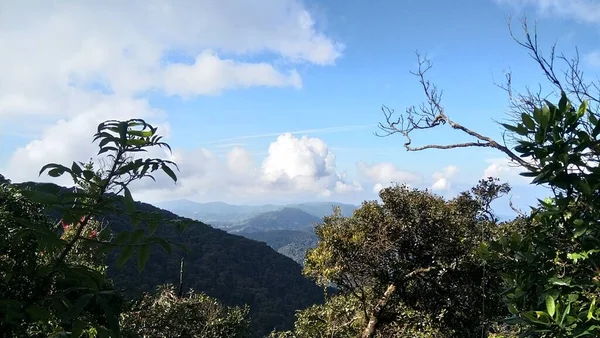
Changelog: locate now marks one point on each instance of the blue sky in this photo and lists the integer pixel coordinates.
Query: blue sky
(326, 69)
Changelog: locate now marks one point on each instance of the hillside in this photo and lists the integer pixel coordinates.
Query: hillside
(284, 219)
(291, 243)
(234, 269)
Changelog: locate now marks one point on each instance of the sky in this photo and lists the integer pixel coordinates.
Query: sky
(272, 101)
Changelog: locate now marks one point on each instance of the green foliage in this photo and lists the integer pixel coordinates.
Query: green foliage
(551, 265)
(230, 268)
(62, 286)
(342, 317)
(408, 264)
(192, 316)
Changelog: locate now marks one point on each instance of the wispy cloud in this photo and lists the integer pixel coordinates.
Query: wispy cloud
(593, 59)
(583, 10)
(328, 130)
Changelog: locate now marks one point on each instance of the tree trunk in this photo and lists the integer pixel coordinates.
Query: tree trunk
(374, 317)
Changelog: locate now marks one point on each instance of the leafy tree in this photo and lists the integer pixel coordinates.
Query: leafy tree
(406, 266)
(167, 315)
(549, 258)
(52, 277)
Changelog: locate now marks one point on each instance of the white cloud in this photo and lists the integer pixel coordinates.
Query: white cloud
(443, 179)
(210, 75)
(68, 65)
(293, 166)
(384, 174)
(306, 163)
(581, 10)
(506, 171)
(52, 54)
(71, 139)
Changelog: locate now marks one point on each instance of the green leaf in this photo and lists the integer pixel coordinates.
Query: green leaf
(76, 169)
(590, 313)
(563, 102)
(169, 172)
(580, 228)
(136, 236)
(528, 121)
(79, 305)
(143, 255)
(38, 313)
(78, 327)
(122, 129)
(88, 174)
(519, 129)
(55, 172)
(113, 320)
(141, 133)
(129, 202)
(550, 305)
(164, 244)
(152, 226)
(582, 109)
(126, 253)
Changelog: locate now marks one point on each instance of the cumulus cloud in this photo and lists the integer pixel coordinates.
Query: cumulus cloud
(300, 166)
(384, 174)
(582, 10)
(443, 179)
(54, 55)
(72, 64)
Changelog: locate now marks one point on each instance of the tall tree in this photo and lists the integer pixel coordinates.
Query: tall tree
(405, 266)
(551, 263)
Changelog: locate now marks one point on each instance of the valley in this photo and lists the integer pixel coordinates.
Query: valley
(288, 229)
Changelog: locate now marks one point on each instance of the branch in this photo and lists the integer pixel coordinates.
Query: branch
(369, 330)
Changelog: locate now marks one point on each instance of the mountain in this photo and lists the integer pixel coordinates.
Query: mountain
(290, 231)
(284, 219)
(231, 268)
(290, 243)
(219, 212)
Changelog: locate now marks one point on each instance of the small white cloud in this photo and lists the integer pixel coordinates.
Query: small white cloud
(385, 174)
(210, 75)
(442, 180)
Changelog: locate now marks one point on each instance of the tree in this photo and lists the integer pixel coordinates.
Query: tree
(167, 315)
(550, 258)
(50, 270)
(406, 266)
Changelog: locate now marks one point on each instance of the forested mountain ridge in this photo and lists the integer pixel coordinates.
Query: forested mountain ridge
(291, 243)
(290, 231)
(231, 268)
(216, 212)
(285, 219)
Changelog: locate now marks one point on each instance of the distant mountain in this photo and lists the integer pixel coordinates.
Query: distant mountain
(218, 212)
(290, 243)
(290, 231)
(284, 219)
(231, 268)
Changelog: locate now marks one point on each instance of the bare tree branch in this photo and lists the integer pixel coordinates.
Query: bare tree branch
(431, 113)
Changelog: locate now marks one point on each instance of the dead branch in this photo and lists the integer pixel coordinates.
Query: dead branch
(431, 114)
